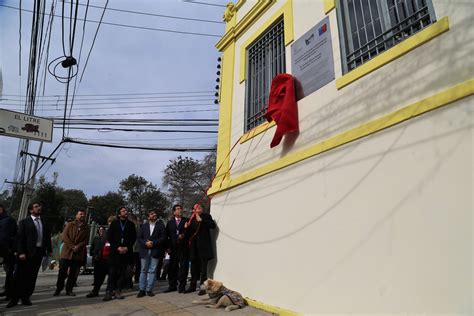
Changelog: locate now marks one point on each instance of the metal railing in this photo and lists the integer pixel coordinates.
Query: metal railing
(265, 60)
(371, 27)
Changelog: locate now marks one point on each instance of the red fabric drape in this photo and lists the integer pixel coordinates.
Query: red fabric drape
(282, 107)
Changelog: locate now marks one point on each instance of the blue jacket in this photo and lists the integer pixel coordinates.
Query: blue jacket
(158, 238)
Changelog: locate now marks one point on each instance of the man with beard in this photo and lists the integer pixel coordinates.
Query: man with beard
(75, 238)
(33, 243)
(178, 251)
(121, 236)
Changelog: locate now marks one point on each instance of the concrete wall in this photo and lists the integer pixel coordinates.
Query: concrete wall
(383, 224)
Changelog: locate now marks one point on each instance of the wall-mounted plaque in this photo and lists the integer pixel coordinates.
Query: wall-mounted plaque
(312, 60)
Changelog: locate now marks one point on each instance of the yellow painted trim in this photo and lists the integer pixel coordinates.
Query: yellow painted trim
(270, 308)
(239, 4)
(256, 131)
(287, 11)
(329, 5)
(225, 113)
(393, 53)
(247, 21)
(438, 100)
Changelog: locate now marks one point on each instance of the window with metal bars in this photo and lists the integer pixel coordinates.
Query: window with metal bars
(370, 27)
(265, 60)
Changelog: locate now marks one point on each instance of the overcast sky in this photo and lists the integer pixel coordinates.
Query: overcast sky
(123, 60)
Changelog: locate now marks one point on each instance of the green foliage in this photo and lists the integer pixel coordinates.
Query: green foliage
(142, 196)
(188, 179)
(103, 206)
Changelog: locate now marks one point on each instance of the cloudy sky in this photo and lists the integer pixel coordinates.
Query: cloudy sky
(163, 71)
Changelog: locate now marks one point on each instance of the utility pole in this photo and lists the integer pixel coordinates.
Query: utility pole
(29, 187)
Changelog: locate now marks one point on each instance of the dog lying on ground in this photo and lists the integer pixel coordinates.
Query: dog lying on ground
(220, 296)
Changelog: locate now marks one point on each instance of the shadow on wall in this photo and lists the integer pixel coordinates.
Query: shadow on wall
(211, 267)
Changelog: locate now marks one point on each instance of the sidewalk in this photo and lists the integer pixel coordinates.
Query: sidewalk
(169, 304)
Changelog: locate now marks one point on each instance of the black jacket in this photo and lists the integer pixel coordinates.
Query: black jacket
(158, 238)
(97, 247)
(200, 245)
(117, 238)
(8, 232)
(27, 237)
(172, 232)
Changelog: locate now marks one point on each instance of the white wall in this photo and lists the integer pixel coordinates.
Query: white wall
(381, 225)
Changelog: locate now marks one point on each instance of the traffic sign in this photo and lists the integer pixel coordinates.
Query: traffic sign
(16, 124)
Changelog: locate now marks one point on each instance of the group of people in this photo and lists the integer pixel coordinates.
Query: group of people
(187, 241)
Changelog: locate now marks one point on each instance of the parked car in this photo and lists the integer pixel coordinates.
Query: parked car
(89, 267)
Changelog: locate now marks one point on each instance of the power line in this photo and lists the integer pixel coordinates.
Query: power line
(179, 149)
(205, 3)
(107, 129)
(119, 98)
(113, 94)
(132, 26)
(130, 107)
(158, 15)
(127, 102)
(139, 113)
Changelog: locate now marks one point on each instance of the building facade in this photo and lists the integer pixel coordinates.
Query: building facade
(369, 208)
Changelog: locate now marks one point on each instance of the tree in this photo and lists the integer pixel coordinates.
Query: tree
(103, 206)
(142, 196)
(51, 198)
(154, 199)
(182, 176)
(74, 200)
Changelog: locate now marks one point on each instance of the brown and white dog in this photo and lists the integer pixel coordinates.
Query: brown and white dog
(220, 296)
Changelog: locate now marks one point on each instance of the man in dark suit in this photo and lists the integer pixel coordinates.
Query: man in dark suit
(121, 236)
(8, 232)
(178, 251)
(33, 243)
(200, 246)
(151, 241)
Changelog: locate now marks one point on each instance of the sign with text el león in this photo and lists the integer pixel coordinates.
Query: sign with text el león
(16, 124)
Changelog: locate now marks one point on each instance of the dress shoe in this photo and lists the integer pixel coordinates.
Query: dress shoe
(180, 290)
(13, 302)
(201, 292)
(3, 293)
(26, 302)
(150, 293)
(92, 294)
(56, 293)
(170, 289)
(118, 295)
(190, 290)
(107, 297)
(70, 293)
(141, 294)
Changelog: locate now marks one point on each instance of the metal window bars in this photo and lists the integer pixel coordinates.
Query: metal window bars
(371, 27)
(265, 60)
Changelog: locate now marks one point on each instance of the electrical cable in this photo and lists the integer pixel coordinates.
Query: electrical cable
(113, 94)
(110, 129)
(158, 15)
(178, 149)
(135, 26)
(204, 3)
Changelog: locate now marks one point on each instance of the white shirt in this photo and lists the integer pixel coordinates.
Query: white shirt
(152, 227)
(39, 230)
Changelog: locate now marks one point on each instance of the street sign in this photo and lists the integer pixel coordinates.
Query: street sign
(16, 124)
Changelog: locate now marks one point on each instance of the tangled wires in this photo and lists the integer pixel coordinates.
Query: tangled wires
(68, 63)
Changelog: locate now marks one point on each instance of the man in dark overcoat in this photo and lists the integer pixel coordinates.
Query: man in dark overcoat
(121, 236)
